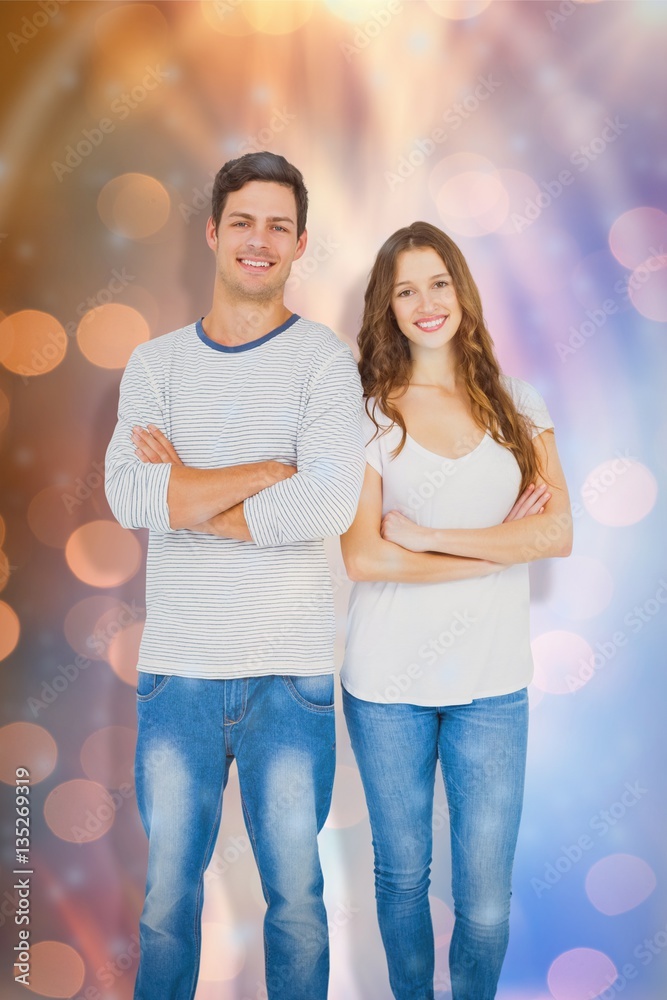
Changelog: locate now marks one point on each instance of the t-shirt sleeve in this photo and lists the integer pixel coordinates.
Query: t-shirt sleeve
(321, 498)
(371, 443)
(529, 402)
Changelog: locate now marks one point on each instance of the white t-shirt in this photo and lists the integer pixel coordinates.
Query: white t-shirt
(443, 643)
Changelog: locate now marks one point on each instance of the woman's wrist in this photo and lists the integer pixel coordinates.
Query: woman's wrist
(438, 540)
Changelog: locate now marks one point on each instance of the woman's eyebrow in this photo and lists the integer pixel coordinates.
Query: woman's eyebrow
(432, 278)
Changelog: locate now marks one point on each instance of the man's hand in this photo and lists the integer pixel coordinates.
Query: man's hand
(531, 501)
(152, 446)
(276, 471)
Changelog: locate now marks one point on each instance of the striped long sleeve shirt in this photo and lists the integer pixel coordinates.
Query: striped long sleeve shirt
(218, 607)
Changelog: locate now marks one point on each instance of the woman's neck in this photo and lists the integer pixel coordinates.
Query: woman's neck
(433, 368)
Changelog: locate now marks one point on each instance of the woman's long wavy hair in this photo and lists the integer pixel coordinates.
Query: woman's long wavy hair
(385, 363)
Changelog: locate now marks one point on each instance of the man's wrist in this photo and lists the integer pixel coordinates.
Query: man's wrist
(260, 476)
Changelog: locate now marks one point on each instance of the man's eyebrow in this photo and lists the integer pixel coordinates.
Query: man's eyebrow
(432, 278)
(271, 218)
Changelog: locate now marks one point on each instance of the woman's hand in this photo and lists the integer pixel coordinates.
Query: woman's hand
(398, 528)
(531, 501)
(152, 446)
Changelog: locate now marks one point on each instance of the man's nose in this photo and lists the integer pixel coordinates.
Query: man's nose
(257, 238)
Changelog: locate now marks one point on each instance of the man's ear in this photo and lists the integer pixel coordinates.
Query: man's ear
(301, 244)
(211, 233)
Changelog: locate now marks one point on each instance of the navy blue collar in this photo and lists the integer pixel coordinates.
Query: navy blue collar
(244, 347)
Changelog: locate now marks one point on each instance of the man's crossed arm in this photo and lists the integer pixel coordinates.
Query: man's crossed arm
(207, 500)
(269, 503)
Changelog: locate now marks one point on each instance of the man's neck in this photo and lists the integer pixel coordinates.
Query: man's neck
(239, 322)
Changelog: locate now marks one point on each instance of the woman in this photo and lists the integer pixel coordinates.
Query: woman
(438, 658)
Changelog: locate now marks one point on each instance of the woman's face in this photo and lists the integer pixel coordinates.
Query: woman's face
(423, 298)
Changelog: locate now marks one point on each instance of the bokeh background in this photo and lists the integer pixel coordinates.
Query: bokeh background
(534, 134)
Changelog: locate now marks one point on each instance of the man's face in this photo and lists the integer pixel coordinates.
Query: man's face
(256, 240)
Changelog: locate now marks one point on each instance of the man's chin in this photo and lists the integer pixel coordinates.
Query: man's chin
(254, 292)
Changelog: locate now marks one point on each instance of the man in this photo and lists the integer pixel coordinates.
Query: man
(239, 446)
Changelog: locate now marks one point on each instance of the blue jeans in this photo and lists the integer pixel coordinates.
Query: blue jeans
(280, 730)
(482, 751)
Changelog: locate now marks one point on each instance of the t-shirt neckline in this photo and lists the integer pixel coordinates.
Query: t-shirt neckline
(236, 348)
(444, 458)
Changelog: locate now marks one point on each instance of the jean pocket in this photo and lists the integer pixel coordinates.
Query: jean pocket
(150, 685)
(312, 691)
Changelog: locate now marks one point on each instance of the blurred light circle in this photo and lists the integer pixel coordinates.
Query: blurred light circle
(619, 492)
(24, 744)
(619, 882)
(56, 969)
(123, 653)
(10, 630)
(473, 203)
(134, 205)
(107, 756)
(647, 288)
(50, 515)
(638, 235)
(222, 952)
(278, 17)
(443, 922)
(4, 410)
(4, 569)
(571, 120)
(451, 166)
(348, 805)
(112, 626)
(580, 973)
(108, 334)
(563, 662)
(458, 10)
(86, 625)
(6, 337)
(130, 27)
(103, 554)
(79, 811)
(352, 11)
(126, 74)
(140, 299)
(32, 342)
(3, 529)
(525, 996)
(583, 587)
(535, 696)
(468, 193)
(520, 189)
(228, 19)
(256, 890)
